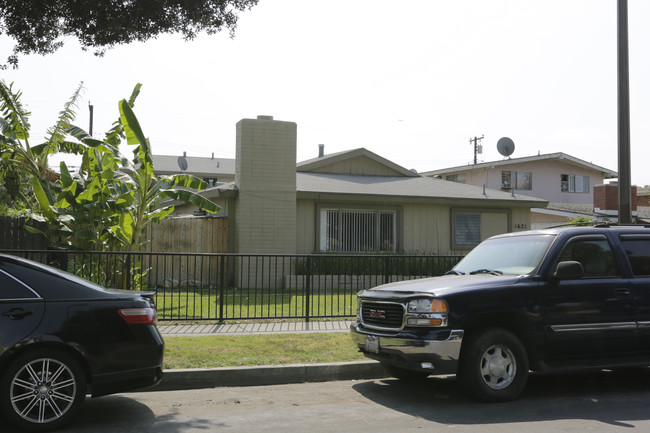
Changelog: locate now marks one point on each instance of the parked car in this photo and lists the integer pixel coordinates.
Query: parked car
(552, 300)
(62, 337)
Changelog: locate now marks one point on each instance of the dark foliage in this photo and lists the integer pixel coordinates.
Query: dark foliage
(39, 26)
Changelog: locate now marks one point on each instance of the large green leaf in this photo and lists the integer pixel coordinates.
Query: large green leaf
(66, 179)
(193, 198)
(134, 134)
(13, 111)
(56, 133)
(186, 180)
(42, 199)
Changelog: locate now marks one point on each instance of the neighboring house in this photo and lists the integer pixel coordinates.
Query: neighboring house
(566, 182)
(212, 170)
(352, 201)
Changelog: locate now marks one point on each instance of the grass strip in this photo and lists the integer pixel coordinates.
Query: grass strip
(258, 349)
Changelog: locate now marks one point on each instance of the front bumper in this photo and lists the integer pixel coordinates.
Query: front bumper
(432, 351)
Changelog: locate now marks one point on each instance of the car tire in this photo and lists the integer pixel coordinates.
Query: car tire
(493, 366)
(404, 374)
(42, 390)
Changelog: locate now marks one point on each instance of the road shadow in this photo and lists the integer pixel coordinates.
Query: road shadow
(606, 396)
(118, 413)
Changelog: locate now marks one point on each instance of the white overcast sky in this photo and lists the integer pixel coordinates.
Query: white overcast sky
(412, 81)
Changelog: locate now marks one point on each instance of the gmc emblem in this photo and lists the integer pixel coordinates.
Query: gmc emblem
(377, 314)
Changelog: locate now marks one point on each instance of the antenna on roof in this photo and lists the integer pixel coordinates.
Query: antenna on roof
(505, 146)
(182, 162)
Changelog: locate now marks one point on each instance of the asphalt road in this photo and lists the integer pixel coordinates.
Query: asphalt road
(598, 402)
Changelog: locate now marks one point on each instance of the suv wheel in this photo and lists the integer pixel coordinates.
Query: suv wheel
(42, 390)
(493, 366)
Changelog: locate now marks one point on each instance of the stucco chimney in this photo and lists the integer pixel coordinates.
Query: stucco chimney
(265, 176)
(321, 150)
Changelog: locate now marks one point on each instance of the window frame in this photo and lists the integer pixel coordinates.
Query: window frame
(479, 212)
(376, 209)
(515, 178)
(570, 183)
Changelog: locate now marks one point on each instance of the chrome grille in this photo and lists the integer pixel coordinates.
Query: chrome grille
(382, 314)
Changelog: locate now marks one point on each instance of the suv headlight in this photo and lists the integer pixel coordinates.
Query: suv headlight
(426, 312)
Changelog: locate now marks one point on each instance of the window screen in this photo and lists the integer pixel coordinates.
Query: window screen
(467, 228)
(348, 230)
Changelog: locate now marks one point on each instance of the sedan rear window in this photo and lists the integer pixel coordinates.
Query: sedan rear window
(11, 289)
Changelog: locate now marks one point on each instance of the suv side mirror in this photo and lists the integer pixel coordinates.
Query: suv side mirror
(569, 270)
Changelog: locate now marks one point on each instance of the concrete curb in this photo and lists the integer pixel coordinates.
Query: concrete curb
(194, 378)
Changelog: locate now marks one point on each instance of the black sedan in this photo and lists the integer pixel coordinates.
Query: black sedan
(62, 337)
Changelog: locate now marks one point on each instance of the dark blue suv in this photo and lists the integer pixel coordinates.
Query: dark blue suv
(549, 300)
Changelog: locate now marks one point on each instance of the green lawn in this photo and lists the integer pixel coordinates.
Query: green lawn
(250, 350)
(205, 304)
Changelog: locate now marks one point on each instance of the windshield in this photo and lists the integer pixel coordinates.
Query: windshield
(516, 255)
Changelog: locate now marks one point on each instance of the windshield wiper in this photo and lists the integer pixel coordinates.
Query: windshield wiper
(486, 271)
(454, 272)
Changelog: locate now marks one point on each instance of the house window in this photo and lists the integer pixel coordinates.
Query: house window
(517, 180)
(467, 229)
(574, 183)
(470, 226)
(358, 230)
(460, 177)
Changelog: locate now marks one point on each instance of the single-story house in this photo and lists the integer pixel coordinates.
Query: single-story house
(353, 201)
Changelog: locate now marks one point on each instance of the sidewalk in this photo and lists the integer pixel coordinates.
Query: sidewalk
(196, 378)
(194, 330)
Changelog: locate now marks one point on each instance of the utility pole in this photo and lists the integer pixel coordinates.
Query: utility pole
(624, 177)
(477, 146)
(90, 129)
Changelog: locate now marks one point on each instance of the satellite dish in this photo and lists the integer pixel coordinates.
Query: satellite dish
(182, 163)
(505, 146)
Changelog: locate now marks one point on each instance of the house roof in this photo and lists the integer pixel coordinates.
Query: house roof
(571, 210)
(400, 189)
(607, 174)
(197, 165)
(315, 164)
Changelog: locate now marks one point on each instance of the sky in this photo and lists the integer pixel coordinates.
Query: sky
(412, 81)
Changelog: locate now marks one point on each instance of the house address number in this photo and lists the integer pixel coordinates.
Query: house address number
(521, 226)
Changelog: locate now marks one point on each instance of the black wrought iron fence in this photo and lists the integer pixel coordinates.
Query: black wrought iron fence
(220, 287)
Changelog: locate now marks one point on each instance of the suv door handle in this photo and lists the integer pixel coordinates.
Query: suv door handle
(623, 293)
(17, 313)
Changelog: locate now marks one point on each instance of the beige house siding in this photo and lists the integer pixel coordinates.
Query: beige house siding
(422, 227)
(425, 228)
(305, 227)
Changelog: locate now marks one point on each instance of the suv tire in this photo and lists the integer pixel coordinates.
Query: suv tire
(493, 366)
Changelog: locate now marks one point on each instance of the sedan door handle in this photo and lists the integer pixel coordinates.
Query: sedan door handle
(17, 313)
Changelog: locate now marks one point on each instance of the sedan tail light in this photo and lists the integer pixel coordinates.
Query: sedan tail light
(139, 316)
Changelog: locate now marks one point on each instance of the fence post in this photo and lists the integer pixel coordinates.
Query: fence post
(221, 290)
(308, 290)
(386, 269)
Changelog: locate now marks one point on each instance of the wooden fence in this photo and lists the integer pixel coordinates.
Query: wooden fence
(188, 235)
(14, 236)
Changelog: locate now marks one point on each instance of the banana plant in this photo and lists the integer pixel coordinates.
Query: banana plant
(109, 204)
(21, 162)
